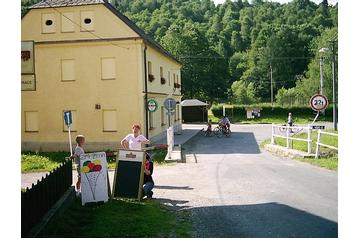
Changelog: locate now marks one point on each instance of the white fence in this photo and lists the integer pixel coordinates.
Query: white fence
(289, 131)
(318, 144)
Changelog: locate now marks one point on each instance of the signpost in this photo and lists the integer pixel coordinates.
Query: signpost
(68, 121)
(94, 180)
(318, 103)
(318, 127)
(170, 105)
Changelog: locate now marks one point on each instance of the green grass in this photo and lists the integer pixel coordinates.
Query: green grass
(43, 162)
(120, 218)
(302, 145)
(328, 157)
(38, 162)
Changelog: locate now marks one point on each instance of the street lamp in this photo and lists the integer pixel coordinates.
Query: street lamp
(322, 51)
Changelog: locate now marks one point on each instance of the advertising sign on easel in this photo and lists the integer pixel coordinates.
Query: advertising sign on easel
(129, 175)
(94, 181)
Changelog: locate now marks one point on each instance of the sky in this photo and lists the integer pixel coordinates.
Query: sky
(333, 2)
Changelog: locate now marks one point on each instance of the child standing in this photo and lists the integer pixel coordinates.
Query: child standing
(80, 140)
(148, 180)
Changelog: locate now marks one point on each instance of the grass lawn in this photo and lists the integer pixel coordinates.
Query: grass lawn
(120, 218)
(40, 162)
(328, 158)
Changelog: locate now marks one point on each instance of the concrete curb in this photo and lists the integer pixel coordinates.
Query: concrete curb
(285, 152)
(56, 210)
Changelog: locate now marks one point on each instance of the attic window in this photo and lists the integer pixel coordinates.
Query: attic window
(48, 23)
(88, 21)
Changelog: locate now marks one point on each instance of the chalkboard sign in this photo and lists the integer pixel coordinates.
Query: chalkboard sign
(128, 177)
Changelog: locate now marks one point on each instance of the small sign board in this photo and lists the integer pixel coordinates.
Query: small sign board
(318, 102)
(94, 180)
(28, 82)
(170, 104)
(152, 105)
(316, 127)
(68, 118)
(27, 57)
(129, 174)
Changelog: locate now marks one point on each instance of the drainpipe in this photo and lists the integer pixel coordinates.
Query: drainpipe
(146, 92)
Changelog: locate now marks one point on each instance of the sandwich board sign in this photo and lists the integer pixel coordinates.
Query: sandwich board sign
(94, 180)
(129, 174)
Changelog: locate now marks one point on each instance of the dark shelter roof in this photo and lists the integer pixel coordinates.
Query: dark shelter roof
(192, 102)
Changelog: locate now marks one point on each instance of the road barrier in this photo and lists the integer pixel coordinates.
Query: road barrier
(318, 144)
(289, 132)
(36, 201)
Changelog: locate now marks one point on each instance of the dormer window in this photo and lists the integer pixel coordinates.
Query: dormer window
(88, 21)
(48, 22)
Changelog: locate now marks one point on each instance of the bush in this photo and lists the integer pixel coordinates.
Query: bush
(267, 111)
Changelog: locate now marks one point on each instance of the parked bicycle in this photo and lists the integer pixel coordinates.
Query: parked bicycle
(220, 131)
(292, 129)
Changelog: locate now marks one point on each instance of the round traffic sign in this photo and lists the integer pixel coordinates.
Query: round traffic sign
(152, 105)
(170, 104)
(318, 102)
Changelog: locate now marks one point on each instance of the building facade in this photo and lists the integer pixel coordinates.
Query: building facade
(92, 60)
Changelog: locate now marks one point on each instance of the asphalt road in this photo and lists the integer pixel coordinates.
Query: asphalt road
(237, 190)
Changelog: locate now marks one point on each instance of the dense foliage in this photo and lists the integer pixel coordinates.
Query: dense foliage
(240, 41)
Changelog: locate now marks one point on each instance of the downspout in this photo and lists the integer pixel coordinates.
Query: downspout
(146, 92)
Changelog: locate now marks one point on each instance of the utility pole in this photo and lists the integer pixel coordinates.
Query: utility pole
(271, 87)
(321, 72)
(333, 42)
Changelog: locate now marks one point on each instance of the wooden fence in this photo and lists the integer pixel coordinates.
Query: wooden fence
(37, 200)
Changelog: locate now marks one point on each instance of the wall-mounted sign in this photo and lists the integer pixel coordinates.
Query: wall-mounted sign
(27, 57)
(152, 105)
(28, 82)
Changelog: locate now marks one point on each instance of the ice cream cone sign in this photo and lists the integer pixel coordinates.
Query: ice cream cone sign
(94, 187)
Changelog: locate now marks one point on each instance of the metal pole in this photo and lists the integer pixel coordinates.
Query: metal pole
(334, 85)
(287, 135)
(317, 144)
(272, 137)
(321, 74)
(69, 138)
(271, 88)
(309, 140)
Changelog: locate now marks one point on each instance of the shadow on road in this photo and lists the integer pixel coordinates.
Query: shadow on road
(260, 220)
(173, 187)
(238, 142)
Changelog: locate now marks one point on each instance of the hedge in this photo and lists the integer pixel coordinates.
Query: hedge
(267, 111)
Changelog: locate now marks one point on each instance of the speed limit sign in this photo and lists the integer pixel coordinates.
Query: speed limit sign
(318, 102)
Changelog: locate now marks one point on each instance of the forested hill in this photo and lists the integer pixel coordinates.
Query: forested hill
(233, 46)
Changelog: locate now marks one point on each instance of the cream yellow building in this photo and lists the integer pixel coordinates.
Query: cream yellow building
(92, 60)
